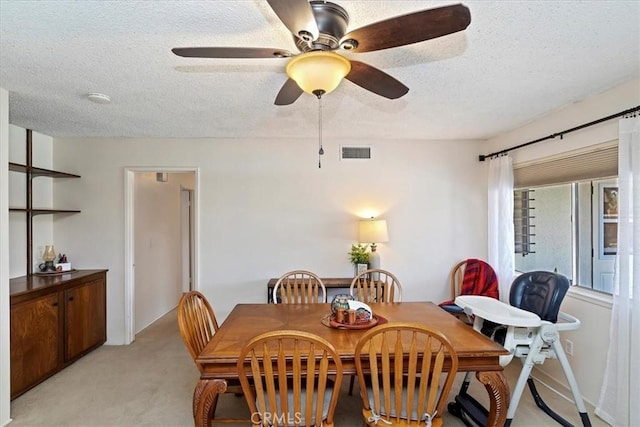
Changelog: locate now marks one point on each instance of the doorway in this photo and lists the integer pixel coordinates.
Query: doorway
(160, 206)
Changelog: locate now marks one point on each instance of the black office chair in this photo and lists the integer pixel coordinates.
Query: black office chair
(530, 330)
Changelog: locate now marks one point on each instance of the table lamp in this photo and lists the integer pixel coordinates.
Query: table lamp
(48, 256)
(373, 231)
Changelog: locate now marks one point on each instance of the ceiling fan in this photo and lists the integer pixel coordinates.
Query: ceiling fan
(319, 28)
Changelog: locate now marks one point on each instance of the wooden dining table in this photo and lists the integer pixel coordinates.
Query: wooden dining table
(476, 353)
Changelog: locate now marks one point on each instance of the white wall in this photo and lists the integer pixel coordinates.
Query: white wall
(266, 208)
(590, 342)
(5, 377)
(158, 250)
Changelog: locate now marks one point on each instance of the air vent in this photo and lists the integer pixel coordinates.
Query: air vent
(355, 153)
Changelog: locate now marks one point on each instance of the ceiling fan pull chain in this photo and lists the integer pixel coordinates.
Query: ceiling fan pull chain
(321, 150)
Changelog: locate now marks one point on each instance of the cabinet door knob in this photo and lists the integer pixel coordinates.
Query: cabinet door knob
(55, 304)
(70, 298)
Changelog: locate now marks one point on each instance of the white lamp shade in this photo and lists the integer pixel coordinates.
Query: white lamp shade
(318, 70)
(373, 231)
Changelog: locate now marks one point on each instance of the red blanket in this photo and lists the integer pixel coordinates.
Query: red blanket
(479, 279)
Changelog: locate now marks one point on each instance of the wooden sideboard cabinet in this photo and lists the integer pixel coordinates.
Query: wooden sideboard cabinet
(55, 320)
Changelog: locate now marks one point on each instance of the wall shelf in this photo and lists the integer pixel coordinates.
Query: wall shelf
(33, 172)
(16, 167)
(36, 211)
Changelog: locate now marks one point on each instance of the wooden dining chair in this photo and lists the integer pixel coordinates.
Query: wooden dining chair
(376, 285)
(299, 287)
(296, 378)
(197, 324)
(411, 387)
(470, 277)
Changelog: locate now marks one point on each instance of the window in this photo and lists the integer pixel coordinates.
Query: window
(565, 216)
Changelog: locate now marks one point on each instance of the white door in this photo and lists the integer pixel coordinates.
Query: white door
(605, 233)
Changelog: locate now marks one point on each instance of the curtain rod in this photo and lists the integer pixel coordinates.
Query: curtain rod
(482, 157)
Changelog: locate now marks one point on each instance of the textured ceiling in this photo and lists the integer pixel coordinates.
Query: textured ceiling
(517, 60)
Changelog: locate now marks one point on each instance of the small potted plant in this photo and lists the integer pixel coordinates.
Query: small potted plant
(359, 257)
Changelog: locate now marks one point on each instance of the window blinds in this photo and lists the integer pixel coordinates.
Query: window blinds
(597, 162)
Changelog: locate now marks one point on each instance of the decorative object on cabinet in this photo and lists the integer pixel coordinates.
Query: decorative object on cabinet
(63, 264)
(48, 256)
(33, 172)
(55, 320)
(359, 257)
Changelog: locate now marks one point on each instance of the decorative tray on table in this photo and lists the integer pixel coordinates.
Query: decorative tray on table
(330, 321)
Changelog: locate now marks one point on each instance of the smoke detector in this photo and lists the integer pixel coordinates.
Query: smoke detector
(99, 98)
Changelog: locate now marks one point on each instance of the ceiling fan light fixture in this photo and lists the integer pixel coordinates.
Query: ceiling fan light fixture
(318, 70)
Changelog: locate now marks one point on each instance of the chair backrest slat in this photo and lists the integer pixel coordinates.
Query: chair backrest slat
(457, 274)
(299, 287)
(197, 322)
(407, 361)
(290, 373)
(376, 285)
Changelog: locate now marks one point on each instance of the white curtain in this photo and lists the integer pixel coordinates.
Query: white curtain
(619, 402)
(501, 239)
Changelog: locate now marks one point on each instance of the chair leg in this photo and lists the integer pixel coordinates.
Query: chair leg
(351, 381)
(527, 365)
(573, 384)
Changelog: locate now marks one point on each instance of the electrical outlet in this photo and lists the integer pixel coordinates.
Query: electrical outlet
(568, 347)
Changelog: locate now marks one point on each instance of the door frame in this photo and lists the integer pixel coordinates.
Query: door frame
(129, 238)
(186, 226)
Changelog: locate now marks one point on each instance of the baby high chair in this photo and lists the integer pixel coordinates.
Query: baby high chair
(530, 330)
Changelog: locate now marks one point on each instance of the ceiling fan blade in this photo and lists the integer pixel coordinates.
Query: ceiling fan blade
(297, 16)
(289, 93)
(411, 28)
(231, 52)
(376, 81)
